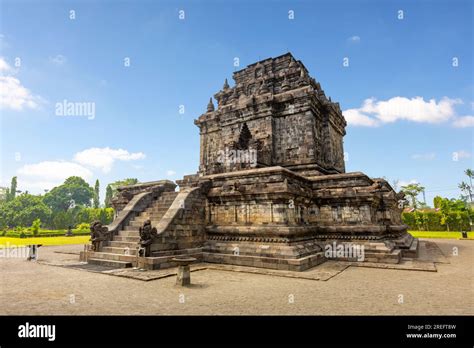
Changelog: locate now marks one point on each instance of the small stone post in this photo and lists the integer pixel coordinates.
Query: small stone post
(184, 271)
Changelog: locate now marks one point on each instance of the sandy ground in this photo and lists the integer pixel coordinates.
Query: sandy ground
(34, 288)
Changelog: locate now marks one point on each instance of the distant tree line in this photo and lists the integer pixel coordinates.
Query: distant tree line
(446, 215)
(73, 203)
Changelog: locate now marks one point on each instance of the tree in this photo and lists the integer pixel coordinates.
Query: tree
(467, 188)
(418, 219)
(35, 226)
(11, 193)
(4, 191)
(23, 210)
(412, 191)
(111, 189)
(451, 210)
(74, 191)
(470, 174)
(88, 215)
(445, 210)
(108, 196)
(96, 194)
(437, 202)
(63, 219)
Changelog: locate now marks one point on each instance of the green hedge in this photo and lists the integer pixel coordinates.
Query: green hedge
(42, 233)
(431, 221)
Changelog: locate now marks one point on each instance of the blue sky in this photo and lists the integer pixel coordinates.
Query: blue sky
(408, 108)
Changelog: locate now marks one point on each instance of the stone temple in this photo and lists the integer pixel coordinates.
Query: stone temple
(271, 190)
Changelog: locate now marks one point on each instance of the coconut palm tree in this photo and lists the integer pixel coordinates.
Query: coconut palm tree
(464, 186)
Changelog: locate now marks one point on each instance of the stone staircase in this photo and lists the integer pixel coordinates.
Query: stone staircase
(121, 252)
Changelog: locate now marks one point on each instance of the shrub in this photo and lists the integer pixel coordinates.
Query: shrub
(88, 215)
(35, 226)
(58, 233)
(63, 219)
(83, 226)
(436, 221)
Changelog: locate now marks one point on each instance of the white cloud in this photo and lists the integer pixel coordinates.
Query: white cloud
(354, 39)
(4, 66)
(464, 122)
(58, 59)
(104, 158)
(374, 112)
(424, 156)
(170, 172)
(355, 118)
(48, 174)
(13, 95)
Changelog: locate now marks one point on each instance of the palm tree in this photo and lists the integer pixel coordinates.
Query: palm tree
(465, 187)
(470, 174)
(412, 190)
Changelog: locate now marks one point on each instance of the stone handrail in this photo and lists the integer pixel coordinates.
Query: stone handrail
(139, 202)
(144, 185)
(136, 205)
(175, 209)
(126, 193)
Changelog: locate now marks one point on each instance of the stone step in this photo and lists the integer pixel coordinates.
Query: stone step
(110, 263)
(168, 195)
(129, 232)
(134, 239)
(394, 257)
(112, 256)
(117, 250)
(156, 217)
(130, 229)
(412, 251)
(158, 208)
(166, 200)
(155, 211)
(122, 244)
(135, 224)
(139, 220)
(142, 216)
(374, 256)
(152, 217)
(160, 205)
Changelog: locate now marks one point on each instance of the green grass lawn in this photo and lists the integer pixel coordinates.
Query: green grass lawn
(9, 241)
(439, 234)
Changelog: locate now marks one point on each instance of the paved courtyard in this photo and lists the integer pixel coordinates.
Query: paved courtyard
(39, 288)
